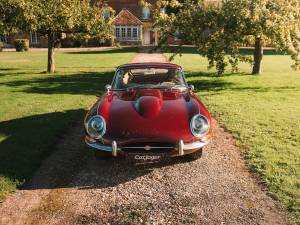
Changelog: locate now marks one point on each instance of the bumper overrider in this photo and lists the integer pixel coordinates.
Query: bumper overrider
(115, 150)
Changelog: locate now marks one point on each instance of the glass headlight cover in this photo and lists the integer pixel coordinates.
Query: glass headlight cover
(96, 127)
(199, 125)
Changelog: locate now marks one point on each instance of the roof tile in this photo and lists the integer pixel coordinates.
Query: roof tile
(125, 17)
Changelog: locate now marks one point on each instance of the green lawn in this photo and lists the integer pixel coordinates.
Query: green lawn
(263, 114)
(36, 108)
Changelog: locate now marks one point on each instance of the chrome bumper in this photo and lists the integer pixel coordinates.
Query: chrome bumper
(114, 149)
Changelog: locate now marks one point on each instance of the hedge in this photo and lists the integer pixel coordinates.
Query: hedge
(21, 45)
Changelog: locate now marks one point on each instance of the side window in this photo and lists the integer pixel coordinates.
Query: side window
(176, 35)
(134, 33)
(163, 10)
(128, 32)
(106, 14)
(117, 32)
(34, 37)
(146, 13)
(123, 32)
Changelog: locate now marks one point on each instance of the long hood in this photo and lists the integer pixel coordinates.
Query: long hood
(148, 115)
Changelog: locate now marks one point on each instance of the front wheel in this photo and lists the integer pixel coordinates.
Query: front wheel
(195, 155)
(102, 156)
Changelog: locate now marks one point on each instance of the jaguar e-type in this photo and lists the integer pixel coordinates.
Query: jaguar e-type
(148, 113)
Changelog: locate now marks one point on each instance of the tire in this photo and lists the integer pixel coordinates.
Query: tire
(196, 155)
(102, 156)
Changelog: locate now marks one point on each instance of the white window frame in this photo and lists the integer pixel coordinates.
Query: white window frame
(34, 38)
(132, 33)
(176, 34)
(123, 32)
(146, 13)
(4, 39)
(117, 32)
(106, 14)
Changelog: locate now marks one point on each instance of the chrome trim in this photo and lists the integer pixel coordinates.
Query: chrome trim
(147, 147)
(194, 145)
(114, 148)
(181, 147)
(108, 88)
(100, 147)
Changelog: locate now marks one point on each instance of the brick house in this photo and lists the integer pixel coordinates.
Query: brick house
(132, 26)
(35, 39)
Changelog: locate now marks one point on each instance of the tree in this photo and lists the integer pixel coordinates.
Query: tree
(265, 21)
(12, 17)
(51, 17)
(218, 29)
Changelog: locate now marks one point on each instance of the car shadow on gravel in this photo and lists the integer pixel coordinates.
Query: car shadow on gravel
(74, 166)
(113, 172)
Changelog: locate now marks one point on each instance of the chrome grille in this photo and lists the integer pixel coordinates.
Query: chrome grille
(148, 147)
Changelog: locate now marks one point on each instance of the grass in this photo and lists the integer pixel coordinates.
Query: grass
(36, 108)
(262, 112)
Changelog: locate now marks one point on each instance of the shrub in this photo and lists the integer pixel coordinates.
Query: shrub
(1, 46)
(21, 45)
(67, 43)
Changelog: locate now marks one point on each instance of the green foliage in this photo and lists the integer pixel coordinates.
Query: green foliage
(262, 112)
(11, 16)
(21, 45)
(35, 110)
(69, 16)
(218, 29)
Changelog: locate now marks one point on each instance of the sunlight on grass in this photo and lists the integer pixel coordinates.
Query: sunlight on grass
(262, 112)
(37, 108)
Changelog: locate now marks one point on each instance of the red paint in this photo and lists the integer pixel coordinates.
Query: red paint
(150, 115)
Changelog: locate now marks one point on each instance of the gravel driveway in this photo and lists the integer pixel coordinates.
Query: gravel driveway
(73, 188)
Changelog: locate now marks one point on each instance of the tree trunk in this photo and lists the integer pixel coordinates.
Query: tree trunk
(51, 42)
(258, 55)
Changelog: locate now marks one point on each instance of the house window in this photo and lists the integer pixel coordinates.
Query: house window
(34, 38)
(117, 32)
(4, 39)
(106, 15)
(163, 10)
(123, 30)
(129, 32)
(176, 35)
(146, 13)
(134, 33)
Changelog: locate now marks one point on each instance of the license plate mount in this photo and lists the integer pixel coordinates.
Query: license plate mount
(147, 158)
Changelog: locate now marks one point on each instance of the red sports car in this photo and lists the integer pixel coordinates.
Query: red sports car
(148, 113)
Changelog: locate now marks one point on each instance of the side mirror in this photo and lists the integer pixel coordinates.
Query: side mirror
(191, 87)
(108, 88)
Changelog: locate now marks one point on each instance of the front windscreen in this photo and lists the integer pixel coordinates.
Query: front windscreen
(150, 77)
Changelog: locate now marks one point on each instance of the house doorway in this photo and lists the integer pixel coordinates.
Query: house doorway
(147, 37)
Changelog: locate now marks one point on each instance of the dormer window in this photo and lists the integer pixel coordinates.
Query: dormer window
(146, 13)
(106, 14)
(163, 10)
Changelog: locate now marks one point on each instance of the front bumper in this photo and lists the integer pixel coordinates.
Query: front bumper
(180, 150)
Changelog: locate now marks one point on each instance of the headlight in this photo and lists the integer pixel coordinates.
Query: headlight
(199, 126)
(96, 127)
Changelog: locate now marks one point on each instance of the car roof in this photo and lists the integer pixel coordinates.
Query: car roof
(154, 64)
